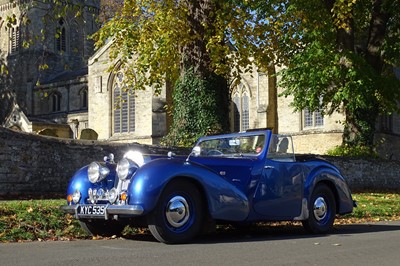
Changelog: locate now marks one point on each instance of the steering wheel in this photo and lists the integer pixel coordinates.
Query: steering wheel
(214, 153)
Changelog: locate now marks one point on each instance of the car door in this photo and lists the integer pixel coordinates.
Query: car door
(280, 188)
(237, 171)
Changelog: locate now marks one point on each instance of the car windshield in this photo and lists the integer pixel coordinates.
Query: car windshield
(231, 146)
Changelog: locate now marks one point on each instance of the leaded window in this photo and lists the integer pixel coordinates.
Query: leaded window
(124, 106)
(312, 119)
(14, 39)
(61, 38)
(241, 109)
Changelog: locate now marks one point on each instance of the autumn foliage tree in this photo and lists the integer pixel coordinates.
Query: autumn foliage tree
(197, 45)
(342, 58)
(108, 9)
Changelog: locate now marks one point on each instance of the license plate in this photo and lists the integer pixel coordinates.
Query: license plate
(92, 210)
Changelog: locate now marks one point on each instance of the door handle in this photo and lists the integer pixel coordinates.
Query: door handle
(269, 167)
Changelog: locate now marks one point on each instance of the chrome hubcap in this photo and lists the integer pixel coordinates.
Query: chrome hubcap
(320, 209)
(177, 211)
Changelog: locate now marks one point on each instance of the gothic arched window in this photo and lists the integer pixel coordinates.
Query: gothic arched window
(55, 99)
(61, 38)
(241, 108)
(124, 106)
(83, 94)
(14, 39)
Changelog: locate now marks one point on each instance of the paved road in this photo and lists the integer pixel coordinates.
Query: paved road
(375, 244)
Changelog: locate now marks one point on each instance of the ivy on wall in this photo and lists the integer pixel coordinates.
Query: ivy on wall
(196, 114)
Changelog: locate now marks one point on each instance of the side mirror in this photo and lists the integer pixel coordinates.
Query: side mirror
(196, 151)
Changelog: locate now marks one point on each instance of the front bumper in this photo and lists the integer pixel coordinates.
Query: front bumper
(109, 210)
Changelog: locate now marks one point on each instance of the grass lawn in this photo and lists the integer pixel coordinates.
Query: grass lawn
(39, 220)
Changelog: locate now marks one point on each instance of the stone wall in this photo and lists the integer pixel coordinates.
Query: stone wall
(35, 165)
(369, 175)
(42, 166)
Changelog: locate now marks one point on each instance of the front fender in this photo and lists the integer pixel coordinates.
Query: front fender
(80, 182)
(225, 201)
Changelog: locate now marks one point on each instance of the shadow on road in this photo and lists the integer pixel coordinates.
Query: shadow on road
(367, 228)
(277, 232)
(265, 232)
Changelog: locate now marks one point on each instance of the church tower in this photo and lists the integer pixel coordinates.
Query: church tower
(43, 40)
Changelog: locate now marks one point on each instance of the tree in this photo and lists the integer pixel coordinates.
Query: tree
(198, 45)
(108, 9)
(341, 58)
(31, 37)
(200, 95)
(6, 95)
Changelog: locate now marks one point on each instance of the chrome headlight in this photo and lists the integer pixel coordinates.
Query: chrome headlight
(135, 156)
(96, 172)
(123, 168)
(126, 168)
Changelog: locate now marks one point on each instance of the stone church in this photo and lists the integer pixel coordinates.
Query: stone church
(46, 57)
(76, 93)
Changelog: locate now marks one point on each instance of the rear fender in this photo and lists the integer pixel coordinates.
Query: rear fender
(336, 182)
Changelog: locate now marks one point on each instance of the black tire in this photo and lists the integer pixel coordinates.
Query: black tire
(322, 210)
(185, 222)
(102, 228)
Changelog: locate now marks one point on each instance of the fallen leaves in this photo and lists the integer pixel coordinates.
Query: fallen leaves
(42, 220)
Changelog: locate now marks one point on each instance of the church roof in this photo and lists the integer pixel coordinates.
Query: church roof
(67, 75)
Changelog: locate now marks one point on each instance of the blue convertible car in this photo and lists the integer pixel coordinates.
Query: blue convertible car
(235, 178)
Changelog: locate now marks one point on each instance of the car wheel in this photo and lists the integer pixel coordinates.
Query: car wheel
(322, 210)
(179, 214)
(102, 228)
